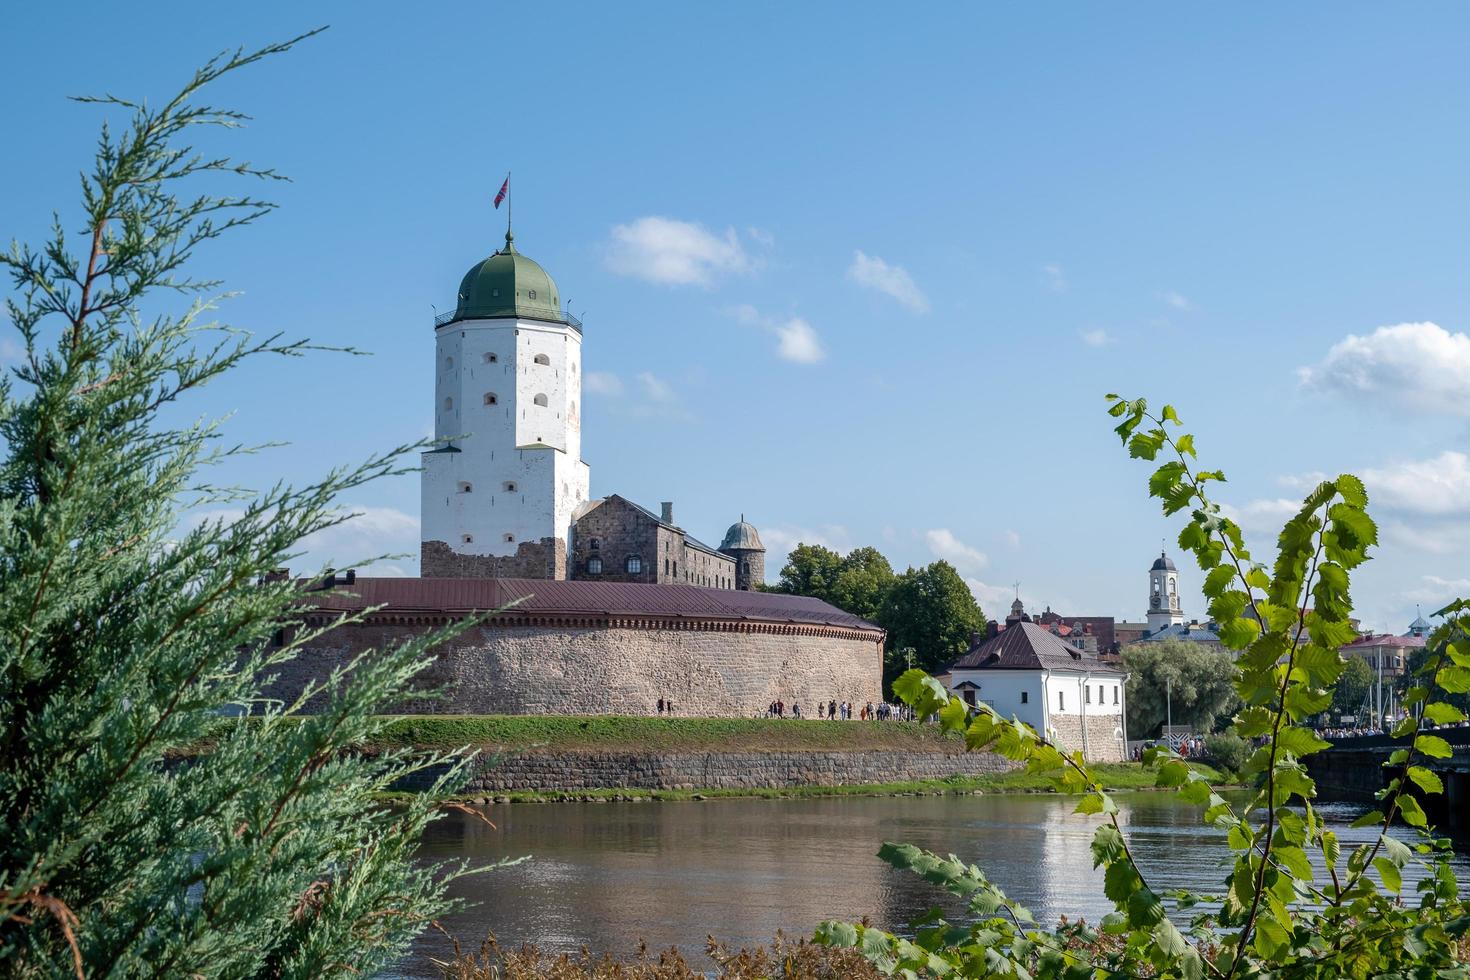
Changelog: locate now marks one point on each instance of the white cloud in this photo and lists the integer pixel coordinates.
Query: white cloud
(1013, 538)
(1096, 338)
(995, 600)
(761, 237)
(891, 280)
(1443, 538)
(1437, 591)
(1438, 486)
(603, 383)
(656, 388)
(797, 341)
(1420, 366)
(1053, 278)
(676, 253)
(1262, 516)
(779, 540)
(1170, 298)
(964, 557)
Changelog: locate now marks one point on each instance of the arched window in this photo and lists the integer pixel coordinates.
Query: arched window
(596, 544)
(449, 363)
(594, 566)
(448, 404)
(465, 487)
(634, 565)
(491, 358)
(491, 399)
(509, 486)
(746, 569)
(541, 359)
(541, 400)
(509, 539)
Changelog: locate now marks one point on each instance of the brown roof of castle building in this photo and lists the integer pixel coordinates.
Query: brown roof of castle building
(1027, 646)
(553, 597)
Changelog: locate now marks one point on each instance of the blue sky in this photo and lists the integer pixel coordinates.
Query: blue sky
(864, 276)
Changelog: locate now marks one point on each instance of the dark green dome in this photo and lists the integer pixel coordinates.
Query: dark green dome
(508, 284)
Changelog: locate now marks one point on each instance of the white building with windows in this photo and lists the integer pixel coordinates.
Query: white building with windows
(1026, 671)
(499, 495)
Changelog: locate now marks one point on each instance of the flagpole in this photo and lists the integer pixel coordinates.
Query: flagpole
(509, 202)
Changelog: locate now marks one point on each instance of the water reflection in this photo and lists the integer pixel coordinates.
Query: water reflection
(607, 875)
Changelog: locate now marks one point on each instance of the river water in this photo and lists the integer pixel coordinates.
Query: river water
(605, 875)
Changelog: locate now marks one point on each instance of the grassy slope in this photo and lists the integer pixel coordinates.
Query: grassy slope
(614, 733)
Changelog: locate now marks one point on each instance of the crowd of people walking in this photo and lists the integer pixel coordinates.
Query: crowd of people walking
(834, 710)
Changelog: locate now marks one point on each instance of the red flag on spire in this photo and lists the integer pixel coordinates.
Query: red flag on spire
(504, 189)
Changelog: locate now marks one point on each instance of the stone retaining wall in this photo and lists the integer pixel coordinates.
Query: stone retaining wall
(570, 771)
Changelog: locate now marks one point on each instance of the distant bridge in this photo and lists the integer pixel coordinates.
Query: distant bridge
(1353, 770)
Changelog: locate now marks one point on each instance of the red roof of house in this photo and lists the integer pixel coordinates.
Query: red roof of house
(1385, 640)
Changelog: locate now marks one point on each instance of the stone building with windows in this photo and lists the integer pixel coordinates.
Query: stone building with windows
(605, 606)
(506, 494)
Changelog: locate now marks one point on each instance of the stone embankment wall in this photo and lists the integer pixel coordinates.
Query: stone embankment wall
(572, 670)
(570, 771)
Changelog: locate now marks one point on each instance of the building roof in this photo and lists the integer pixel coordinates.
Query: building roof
(1162, 562)
(543, 597)
(507, 284)
(1385, 640)
(1102, 627)
(742, 537)
(1027, 646)
(1193, 632)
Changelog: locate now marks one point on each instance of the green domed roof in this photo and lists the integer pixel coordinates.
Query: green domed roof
(508, 284)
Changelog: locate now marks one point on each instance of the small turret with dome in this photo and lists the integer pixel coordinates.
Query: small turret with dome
(743, 543)
(1163, 600)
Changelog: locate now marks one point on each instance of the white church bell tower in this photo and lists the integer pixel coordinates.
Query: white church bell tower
(499, 492)
(1163, 595)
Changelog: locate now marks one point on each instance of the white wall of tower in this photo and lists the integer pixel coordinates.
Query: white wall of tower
(507, 393)
(1163, 598)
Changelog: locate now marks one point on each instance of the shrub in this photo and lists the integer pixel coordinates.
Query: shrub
(1227, 750)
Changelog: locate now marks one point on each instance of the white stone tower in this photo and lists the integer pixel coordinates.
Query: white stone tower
(497, 498)
(1163, 595)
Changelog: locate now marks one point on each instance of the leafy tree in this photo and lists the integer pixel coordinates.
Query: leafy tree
(1352, 688)
(933, 611)
(1198, 679)
(1294, 904)
(864, 580)
(1418, 661)
(148, 827)
(810, 569)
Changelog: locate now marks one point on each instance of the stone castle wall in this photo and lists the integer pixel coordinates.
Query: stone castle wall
(1102, 743)
(545, 559)
(570, 771)
(717, 669)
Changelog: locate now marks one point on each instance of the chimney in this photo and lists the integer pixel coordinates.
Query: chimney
(976, 638)
(992, 628)
(668, 512)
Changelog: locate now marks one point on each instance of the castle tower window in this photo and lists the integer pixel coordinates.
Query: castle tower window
(465, 487)
(541, 359)
(448, 404)
(594, 566)
(541, 400)
(491, 399)
(596, 544)
(1025, 697)
(509, 539)
(510, 486)
(449, 362)
(491, 359)
(467, 538)
(634, 565)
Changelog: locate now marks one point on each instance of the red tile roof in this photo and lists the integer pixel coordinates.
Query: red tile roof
(1385, 640)
(548, 597)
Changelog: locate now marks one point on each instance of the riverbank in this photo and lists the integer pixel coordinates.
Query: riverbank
(610, 758)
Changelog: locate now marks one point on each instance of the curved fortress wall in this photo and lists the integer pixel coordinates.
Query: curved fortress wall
(596, 648)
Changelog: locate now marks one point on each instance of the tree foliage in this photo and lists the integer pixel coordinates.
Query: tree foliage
(1195, 682)
(931, 611)
(1351, 690)
(134, 639)
(1296, 902)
